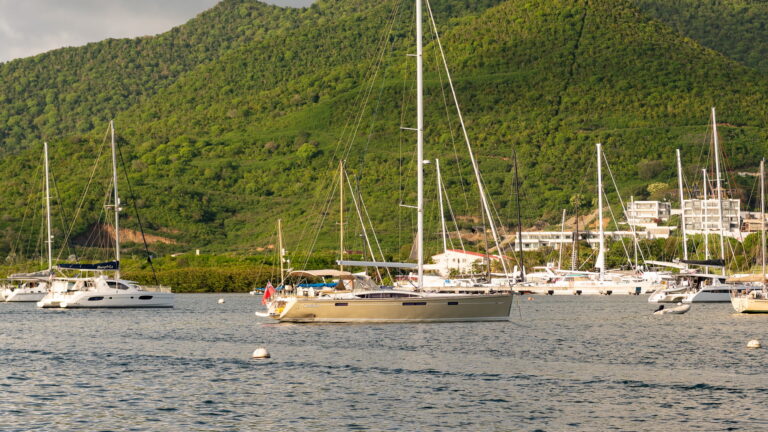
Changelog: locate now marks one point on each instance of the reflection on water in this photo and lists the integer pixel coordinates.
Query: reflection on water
(575, 363)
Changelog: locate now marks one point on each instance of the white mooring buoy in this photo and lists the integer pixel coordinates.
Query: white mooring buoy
(261, 353)
(754, 343)
(221, 301)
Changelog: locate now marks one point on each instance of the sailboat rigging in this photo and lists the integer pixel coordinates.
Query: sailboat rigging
(356, 299)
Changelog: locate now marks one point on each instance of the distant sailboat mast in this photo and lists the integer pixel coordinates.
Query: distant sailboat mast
(442, 210)
(419, 147)
(600, 264)
(704, 211)
(762, 221)
(719, 188)
(117, 200)
(562, 242)
(341, 215)
(682, 205)
(48, 208)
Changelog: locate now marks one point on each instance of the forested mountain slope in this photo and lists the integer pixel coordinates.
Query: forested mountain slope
(233, 140)
(736, 28)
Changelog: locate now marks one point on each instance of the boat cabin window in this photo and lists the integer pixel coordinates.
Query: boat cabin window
(118, 285)
(386, 295)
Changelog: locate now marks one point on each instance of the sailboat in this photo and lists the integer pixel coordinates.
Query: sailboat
(95, 289)
(716, 290)
(356, 298)
(755, 301)
(32, 287)
(602, 281)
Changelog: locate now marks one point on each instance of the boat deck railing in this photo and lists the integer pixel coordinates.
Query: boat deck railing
(157, 288)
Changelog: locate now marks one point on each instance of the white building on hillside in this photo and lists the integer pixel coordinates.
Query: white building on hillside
(458, 261)
(534, 240)
(648, 213)
(701, 215)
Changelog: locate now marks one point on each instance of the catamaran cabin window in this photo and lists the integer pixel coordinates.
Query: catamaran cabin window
(118, 285)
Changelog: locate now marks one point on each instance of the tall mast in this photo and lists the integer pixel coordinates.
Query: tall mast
(704, 211)
(634, 232)
(682, 205)
(575, 242)
(440, 200)
(519, 222)
(341, 214)
(280, 249)
(762, 220)
(419, 146)
(601, 251)
(117, 199)
(48, 208)
(562, 241)
(719, 189)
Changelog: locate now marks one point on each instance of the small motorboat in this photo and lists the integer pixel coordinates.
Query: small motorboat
(679, 309)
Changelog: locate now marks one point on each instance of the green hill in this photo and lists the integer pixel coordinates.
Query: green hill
(240, 116)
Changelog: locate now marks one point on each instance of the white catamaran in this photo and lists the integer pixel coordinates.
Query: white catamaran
(97, 290)
(32, 287)
(354, 298)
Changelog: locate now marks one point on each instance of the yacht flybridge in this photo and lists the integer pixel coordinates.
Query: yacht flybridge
(91, 288)
(355, 298)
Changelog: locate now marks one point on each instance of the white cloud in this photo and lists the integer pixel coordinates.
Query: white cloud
(30, 27)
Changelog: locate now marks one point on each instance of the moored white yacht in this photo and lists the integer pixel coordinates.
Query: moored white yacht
(756, 300)
(102, 292)
(99, 291)
(31, 290)
(32, 287)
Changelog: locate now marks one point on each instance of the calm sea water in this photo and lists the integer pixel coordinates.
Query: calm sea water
(562, 363)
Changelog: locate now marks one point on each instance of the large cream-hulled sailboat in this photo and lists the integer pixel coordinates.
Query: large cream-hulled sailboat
(355, 298)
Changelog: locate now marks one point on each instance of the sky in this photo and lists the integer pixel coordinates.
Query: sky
(30, 27)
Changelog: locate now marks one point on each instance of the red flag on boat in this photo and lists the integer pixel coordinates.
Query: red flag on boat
(269, 292)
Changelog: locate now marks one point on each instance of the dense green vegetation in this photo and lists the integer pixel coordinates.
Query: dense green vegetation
(735, 28)
(240, 116)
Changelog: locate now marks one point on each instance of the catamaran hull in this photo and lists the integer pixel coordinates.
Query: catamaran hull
(585, 289)
(20, 296)
(403, 310)
(93, 300)
(744, 304)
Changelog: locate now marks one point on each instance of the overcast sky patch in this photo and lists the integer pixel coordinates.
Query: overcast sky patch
(30, 27)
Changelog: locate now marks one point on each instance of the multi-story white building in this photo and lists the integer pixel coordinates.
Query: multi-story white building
(534, 240)
(648, 213)
(458, 261)
(704, 215)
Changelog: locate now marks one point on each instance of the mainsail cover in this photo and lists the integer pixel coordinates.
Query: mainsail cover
(39, 274)
(708, 263)
(109, 265)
